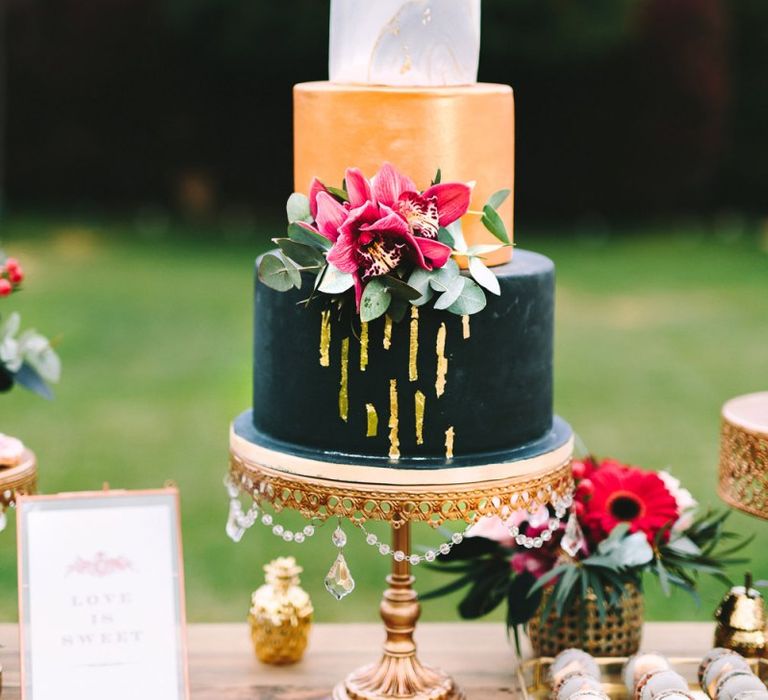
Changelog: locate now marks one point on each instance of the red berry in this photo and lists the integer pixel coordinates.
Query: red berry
(12, 264)
(16, 275)
(5, 287)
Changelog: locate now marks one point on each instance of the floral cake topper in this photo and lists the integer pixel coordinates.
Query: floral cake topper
(387, 244)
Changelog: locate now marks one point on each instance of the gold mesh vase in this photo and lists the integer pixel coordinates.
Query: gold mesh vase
(580, 626)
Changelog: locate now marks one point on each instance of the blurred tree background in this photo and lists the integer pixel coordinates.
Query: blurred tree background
(626, 109)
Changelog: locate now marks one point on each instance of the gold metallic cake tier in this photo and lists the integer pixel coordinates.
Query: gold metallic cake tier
(468, 132)
(319, 489)
(743, 480)
(19, 479)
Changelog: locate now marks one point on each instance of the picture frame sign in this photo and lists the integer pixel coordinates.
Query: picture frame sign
(101, 596)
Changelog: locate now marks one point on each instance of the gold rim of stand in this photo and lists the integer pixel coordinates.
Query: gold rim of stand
(19, 479)
(318, 498)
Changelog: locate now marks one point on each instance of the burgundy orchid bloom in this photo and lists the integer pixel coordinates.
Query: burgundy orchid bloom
(373, 241)
(440, 205)
(385, 222)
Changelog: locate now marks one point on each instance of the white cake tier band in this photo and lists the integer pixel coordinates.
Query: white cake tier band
(424, 43)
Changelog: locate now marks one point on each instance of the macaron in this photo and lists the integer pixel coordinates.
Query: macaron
(655, 682)
(640, 664)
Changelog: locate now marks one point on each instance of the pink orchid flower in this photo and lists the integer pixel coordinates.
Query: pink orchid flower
(384, 223)
(373, 241)
(440, 205)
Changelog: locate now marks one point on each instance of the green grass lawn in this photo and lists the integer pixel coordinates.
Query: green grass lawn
(655, 329)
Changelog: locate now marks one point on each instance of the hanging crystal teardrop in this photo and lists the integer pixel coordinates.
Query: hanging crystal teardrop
(573, 538)
(339, 537)
(339, 582)
(235, 530)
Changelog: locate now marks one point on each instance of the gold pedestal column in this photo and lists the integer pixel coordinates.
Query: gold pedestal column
(399, 673)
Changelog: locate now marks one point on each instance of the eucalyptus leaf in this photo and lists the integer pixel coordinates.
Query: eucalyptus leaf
(301, 234)
(440, 280)
(400, 289)
(483, 248)
(457, 232)
(450, 295)
(277, 273)
(498, 198)
(483, 276)
(419, 280)
(470, 301)
(297, 208)
(301, 253)
(375, 301)
(445, 236)
(495, 224)
(335, 281)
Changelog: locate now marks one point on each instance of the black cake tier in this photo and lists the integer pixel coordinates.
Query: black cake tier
(493, 401)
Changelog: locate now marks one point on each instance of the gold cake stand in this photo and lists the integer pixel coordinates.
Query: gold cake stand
(322, 490)
(743, 472)
(16, 480)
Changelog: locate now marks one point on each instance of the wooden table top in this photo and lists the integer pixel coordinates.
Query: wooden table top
(223, 667)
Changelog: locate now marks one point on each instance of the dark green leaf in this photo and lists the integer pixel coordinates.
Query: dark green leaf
(495, 224)
(451, 587)
(471, 548)
(304, 235)
(339, 193)
(487, 593)
(400, 289)
(437, 179)
(398, 309)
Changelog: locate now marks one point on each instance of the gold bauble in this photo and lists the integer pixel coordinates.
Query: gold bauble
(741, 621)
(281, 614)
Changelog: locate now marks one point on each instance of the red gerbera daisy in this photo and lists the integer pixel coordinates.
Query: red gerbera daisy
(630, 495)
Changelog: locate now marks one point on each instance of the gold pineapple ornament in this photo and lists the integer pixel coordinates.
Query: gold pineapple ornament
(281, 614)
(741, 621)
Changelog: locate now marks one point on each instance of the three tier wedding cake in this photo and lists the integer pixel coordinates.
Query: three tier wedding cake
(394, 326)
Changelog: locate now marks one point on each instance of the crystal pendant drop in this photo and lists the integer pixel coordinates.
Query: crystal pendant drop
(3, 520)
(573, 538)
(235, 530)
(339, 581)
(339, 537)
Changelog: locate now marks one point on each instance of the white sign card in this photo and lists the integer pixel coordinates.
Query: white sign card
(101, 596)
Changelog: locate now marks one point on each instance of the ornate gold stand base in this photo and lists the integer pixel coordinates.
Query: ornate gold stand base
(399, 674)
